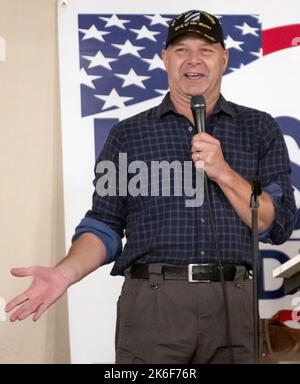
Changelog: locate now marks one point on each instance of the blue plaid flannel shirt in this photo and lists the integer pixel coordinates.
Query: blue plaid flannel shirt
(162, 229)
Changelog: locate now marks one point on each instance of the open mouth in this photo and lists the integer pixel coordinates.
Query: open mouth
(193, 75)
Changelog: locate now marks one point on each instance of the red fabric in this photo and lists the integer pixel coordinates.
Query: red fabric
(275, 39)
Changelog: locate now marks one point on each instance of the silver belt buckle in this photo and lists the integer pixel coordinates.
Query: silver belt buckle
(190, 275)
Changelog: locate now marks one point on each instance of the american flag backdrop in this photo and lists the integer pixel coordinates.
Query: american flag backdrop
(120, 56)
(120, 63)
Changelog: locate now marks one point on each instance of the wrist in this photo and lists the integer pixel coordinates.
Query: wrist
(226, 177)
(68, 274)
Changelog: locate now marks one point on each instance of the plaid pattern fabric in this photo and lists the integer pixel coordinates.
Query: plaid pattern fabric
(162, 229)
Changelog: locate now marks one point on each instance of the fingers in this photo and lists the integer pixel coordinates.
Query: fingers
(197, 147)
(198, 160)
(196, 156)
(205, 137)
(200, 146)
(41, 309)
(38, 307)
(46, 287)
(24, 311)
(204, 141)
(205, 148)
(20, 299)
(22, 272)
(19, 272)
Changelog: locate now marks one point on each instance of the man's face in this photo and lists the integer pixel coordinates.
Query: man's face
(195, 67)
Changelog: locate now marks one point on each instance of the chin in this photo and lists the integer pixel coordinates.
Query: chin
(196, 92)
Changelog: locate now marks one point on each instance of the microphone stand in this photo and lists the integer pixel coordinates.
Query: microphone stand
(254, 205)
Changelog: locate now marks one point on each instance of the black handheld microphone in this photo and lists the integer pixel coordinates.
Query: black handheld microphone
(198, 108)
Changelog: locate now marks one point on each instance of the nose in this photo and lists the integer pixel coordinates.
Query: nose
(194, 58)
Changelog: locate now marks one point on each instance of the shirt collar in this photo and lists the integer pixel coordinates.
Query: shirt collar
(224, 106)
(166, 107)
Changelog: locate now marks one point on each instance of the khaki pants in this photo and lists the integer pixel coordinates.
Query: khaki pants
(174, 321)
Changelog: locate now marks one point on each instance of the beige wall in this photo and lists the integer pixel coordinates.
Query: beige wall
(31, 195)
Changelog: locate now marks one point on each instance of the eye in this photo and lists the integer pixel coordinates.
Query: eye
(180, 49)
(207, 50)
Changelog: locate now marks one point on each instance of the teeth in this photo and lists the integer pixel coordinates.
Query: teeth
(194, 74)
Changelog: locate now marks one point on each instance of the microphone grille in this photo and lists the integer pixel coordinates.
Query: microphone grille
(197, 101)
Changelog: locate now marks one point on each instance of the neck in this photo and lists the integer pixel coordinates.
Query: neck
(183, 105)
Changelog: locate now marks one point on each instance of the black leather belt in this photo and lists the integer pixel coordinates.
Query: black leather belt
(190, 272)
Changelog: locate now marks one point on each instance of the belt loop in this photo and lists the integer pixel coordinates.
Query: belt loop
(240, 274)
(155, 273)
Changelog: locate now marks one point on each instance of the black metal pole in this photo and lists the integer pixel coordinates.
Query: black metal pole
(254, 205)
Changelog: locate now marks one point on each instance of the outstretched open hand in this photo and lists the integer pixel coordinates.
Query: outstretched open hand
(47, 286)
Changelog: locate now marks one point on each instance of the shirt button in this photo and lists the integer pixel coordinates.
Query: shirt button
(202, 253)
(190, 128)
(202, 220)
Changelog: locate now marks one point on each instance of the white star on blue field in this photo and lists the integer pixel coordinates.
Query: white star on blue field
(120, 62)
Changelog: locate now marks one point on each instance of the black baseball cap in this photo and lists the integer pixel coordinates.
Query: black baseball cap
(200, 23)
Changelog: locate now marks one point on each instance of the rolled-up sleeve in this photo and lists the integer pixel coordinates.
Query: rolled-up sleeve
(111, 240)
(275, 192)
(107, 218)
(275, 169)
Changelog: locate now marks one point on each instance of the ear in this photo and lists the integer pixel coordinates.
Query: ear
(225, 60)
(164, 56)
